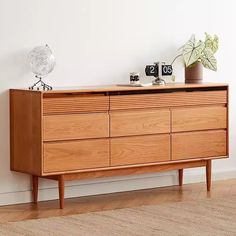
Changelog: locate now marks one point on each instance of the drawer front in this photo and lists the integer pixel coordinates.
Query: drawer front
(75, 126)
(75, 155)
(140, 150)
(139, 122)
(199, 144)
(199, 118)
(167, 99)
(75, 104)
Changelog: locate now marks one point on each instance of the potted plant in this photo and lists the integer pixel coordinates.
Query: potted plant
(199, 54)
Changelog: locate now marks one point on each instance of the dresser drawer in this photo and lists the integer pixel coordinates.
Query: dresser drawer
(167, 99)
(140, 149)
(75, 155)
(75, 126)
(139, 122)
(199, 118)
(75, 104)
(199, 144)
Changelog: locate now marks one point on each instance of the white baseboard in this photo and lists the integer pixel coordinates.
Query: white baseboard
(111, 185)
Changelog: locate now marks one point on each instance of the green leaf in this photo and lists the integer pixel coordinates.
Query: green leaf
(208, 60)
(212, 43)
(192, 51)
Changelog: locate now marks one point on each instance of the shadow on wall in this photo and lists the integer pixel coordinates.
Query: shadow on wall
(5, 132)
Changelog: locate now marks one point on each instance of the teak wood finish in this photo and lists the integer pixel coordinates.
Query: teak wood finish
(199, 118)
(138, 122)
(75, 155)
(82, 133)
(75, 126)
(140, 149)
(198, 144)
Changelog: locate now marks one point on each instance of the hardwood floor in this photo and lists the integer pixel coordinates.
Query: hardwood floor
(188, 192)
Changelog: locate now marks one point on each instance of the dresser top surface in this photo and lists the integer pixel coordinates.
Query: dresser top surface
(112, 88)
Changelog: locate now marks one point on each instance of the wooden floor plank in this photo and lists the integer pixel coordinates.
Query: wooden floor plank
(187, 192)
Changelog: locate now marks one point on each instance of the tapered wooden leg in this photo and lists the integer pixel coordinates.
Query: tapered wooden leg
(181, 171)
(35, 184)
(61, 186)
(208, 175)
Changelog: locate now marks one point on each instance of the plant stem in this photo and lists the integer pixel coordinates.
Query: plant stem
(176, 58)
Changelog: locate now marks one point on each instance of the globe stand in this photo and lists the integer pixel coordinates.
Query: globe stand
(40, 84)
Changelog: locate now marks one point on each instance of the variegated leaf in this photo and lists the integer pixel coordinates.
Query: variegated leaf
(192, 51)
(208, 60)
(212, 43)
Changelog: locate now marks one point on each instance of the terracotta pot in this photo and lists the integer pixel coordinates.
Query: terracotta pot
(194, 74)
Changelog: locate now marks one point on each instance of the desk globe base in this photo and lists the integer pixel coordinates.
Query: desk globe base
(40, 85)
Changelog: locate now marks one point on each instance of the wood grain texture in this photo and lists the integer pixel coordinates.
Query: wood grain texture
(140, 122)
(75, 104)
(167, 99)
(222, 189)
(140, 149)
(53, 175)
(61, 187)
(26, 131)
(228, 130)
(215, 217)
(112, 88)
(35, 183)
(76, 155)
(208, 174)
(135, 170)
(181, 176)
(136, 139)
(198, 144)
(199, 118)
(75, 126)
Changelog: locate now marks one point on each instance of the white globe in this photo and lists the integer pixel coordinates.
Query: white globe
(41, 60)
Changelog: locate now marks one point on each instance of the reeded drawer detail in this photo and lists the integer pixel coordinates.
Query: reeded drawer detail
(199, 144)
(75, 126)
(75, 155)
(199, 118)
(112, 128)
(75, 104)
(140, 149)
(167, 99)
(139, 122)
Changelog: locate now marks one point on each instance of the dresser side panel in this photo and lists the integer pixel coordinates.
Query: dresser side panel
(227, 137)
(26, 131)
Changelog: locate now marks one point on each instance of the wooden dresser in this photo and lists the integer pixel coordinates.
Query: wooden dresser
(89, 132)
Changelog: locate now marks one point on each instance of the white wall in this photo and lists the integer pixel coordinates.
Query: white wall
(100, 42)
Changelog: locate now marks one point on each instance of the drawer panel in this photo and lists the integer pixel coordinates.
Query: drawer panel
(75, 155)
(199, 144)
(139, 122)
(167, 99)
(75, 104)
(140, 149)
(199, 118)
(75, 126)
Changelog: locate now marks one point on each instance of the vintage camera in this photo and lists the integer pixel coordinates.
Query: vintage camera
(158, 70)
